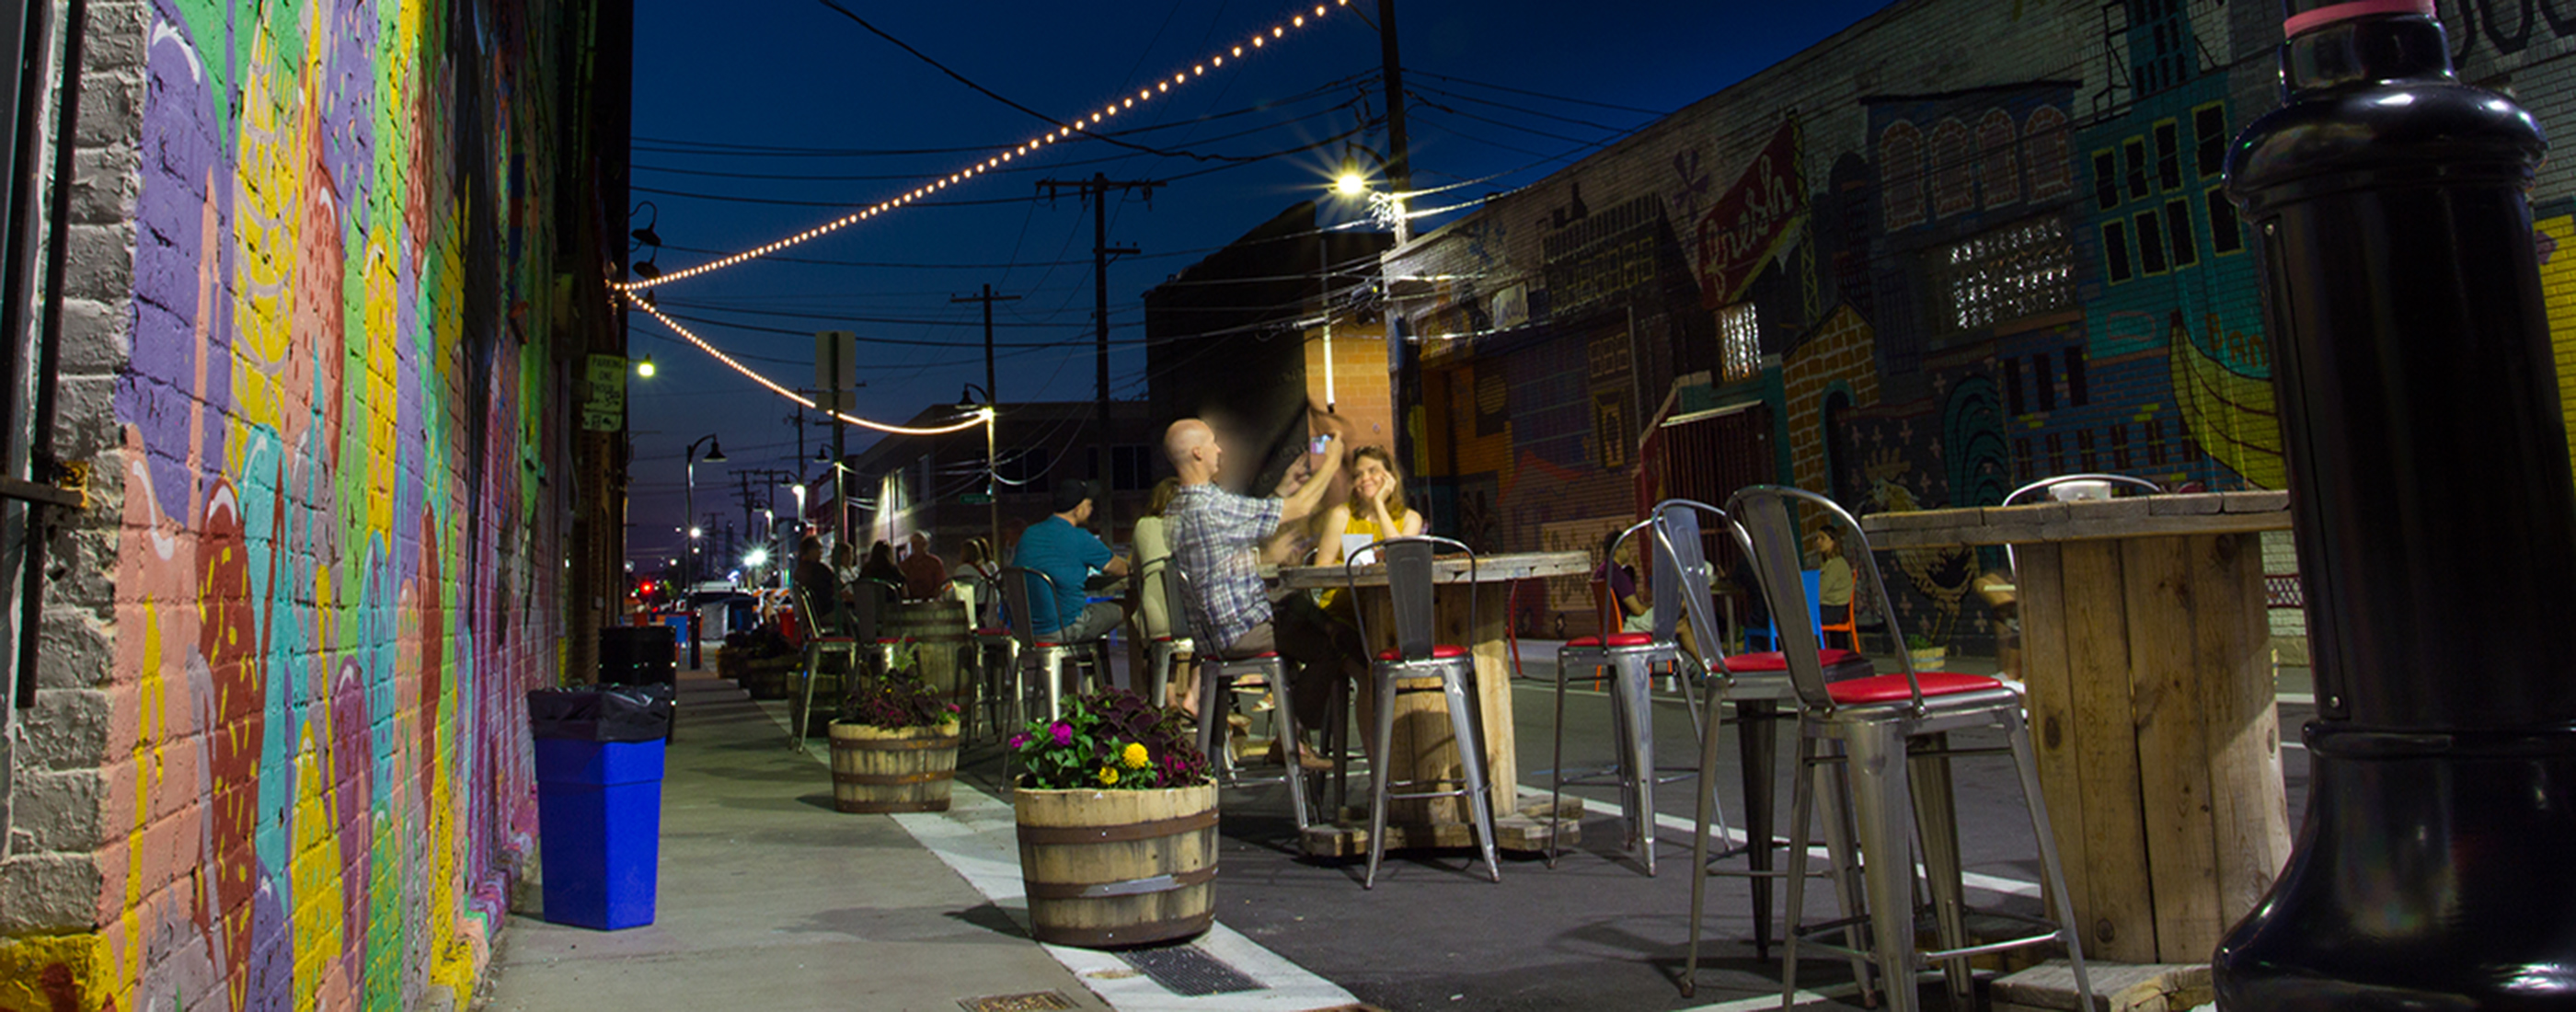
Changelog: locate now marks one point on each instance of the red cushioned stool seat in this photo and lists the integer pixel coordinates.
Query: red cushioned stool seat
(1624, 639)
(1440, 652)
(1776, 661)
(992, 630)
(1891, 688)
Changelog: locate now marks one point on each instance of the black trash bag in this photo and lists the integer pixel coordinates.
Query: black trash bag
(604, 713)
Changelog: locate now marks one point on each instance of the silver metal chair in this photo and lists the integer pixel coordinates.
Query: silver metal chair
(1890, 729)
(1164, 645)
(1217, 675)
(987, 639)
(857, 636)
(826, 635)
(1632, 659)
(1047, 655)
(2013, 564)
(1417, 654)
(1755, 685)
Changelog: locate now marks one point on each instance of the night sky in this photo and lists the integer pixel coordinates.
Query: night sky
(756, 121)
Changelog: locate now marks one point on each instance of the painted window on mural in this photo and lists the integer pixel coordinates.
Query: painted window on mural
(2075, 392)
(2012, 387)
(2115, 250)
(2106, 180)
(2051, 160)
(2133, 154)
(2086, 457)
(2169, 155)
(2043, 382)
(1954, 170)
(2209, 130)
(2119, 446)
(1900, 156)
(2020, 270)
(2151, 242)
(2155, 442)
(1739, 334)
(2181, 243)
(2021, 460)
(1998, 171)
(2225, 235)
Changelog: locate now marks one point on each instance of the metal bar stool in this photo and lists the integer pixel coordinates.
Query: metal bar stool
(1755, 684)
(1890, 729)
(1217, 674)
(1046, 655)
(857, 639)
(1416, 654)
(1632, 659)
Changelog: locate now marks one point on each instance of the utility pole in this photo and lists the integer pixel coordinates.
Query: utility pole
(1399, 157)
(1404, 382)
(1096, 190)
(988, 298)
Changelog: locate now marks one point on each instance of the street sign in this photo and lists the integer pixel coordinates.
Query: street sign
(976, 498)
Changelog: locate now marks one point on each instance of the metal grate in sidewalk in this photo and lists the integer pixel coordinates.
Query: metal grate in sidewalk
(1187, 970)
(1034, 1001)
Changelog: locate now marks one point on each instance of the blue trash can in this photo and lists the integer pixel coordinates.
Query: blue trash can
(599, 801)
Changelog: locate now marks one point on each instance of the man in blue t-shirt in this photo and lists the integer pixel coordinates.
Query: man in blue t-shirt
(1066, 553)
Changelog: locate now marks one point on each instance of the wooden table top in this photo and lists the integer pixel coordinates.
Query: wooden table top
(2133, 516)
(1497, 568)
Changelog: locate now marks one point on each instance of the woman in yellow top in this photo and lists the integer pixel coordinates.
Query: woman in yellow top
(1376, 507)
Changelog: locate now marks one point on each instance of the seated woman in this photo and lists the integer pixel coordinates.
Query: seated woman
(1376, 507)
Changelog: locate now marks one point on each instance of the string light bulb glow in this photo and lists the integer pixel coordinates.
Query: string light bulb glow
(748, 373)
(1062, 131)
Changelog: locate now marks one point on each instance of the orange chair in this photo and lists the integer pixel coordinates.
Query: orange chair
(1849, 626)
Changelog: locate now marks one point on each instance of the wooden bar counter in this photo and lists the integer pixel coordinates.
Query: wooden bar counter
(2146, 655)
(2149, 673)
(1424, 747)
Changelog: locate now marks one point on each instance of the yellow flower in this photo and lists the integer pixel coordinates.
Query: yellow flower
(1134, 755)
(1108, 775)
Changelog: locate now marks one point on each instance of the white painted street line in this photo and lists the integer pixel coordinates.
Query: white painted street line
(979, 838)
(1803, 997)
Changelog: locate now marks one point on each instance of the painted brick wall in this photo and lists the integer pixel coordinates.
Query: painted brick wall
(279, 757)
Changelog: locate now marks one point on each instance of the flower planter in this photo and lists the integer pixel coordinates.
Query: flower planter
(1118, 868)
(1929, 658)
(876, 770)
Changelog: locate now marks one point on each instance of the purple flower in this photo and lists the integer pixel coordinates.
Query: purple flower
(1063, 733)
(1019, 741)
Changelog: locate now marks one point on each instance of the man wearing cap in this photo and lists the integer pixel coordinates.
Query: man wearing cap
(1066, 553)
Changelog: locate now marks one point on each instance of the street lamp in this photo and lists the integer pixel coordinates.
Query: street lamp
(689, 462)
(1385, 206)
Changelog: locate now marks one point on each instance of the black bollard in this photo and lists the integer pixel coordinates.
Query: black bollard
(2436, 525)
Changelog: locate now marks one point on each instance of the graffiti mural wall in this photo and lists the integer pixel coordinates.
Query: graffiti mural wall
(339, 445)
(1955, 248)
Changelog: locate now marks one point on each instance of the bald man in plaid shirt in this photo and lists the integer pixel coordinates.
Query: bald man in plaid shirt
(1216, 538)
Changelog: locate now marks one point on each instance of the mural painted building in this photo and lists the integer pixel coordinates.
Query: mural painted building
(334, 272)
(1951, 249)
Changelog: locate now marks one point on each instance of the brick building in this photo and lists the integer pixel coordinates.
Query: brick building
(338, 364)
(1952, 248)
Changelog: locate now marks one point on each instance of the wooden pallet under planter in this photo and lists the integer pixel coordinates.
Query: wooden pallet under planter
(876, 770)
(1118, 868)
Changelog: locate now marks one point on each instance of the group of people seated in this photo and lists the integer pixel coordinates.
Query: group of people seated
(918, 575)
(1221, 540)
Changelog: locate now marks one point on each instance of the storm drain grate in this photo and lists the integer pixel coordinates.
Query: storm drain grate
(1034, 1001)
(1185, 970)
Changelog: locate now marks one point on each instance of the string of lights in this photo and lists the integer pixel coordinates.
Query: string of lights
(978, 418)
(1061, 130)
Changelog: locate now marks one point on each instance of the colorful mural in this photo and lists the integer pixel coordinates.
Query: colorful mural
(337, 421)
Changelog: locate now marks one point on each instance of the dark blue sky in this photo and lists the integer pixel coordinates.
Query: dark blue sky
(763, 119)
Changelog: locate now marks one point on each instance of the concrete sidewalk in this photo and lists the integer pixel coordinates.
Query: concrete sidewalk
(769, 899)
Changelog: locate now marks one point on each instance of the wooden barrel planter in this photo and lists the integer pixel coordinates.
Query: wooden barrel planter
(876, 770)
(941, 641)
(1118, 868)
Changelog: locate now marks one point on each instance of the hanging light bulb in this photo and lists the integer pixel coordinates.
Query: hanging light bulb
(645, 367)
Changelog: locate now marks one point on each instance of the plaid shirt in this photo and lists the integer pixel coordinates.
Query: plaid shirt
(1216, 537)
